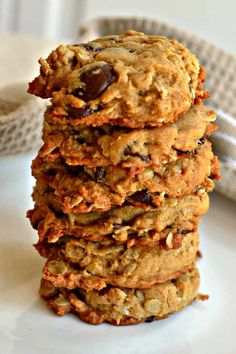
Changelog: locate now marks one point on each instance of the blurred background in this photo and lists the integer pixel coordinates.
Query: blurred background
(30, 28)
(213, 20)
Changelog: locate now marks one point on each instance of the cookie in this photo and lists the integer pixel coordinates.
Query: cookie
(99, 200)
(122, 306)
(119, 223)
(133, 80)
(107, 145)
(81, 189)
(168, 238)
(92, 265)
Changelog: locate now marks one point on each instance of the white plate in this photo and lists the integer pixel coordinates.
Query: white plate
(28, 327)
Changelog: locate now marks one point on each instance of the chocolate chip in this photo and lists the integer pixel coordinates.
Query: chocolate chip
(179, 152)
(90, 48)
(104, 290)
(78, 171)
(143, 197)
(100, 174)
(185, 153)
(202, 140)
(184, 232)
(97, 49)
(86, 46)
(77, 293)
(128, 152)
(77, 113)
(95, 80)
(150, 319)
(145, 158)
(51, 172)
(57, 213)
(79, 139)
(117, 226)
(74, 61)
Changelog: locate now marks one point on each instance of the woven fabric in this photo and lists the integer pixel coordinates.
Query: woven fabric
(21, 118)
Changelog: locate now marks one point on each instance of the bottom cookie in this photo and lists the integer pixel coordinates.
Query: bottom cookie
(122, 306)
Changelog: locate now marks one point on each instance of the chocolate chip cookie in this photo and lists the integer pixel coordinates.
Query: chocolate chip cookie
(133, 80)
(82, 189)
(119, 223)
(107, 145)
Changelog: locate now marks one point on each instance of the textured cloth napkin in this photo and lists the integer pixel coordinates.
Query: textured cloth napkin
(21, 114)
(221, 81)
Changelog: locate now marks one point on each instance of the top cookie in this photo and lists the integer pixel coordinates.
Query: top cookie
(131, 80)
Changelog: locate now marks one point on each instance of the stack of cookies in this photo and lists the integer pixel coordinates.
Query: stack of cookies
(122, 177)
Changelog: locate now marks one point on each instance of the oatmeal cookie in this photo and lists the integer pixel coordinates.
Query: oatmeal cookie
(92, 265)
(132, 80)
(168, 238)
(110, 145)
(122, 306)
(98, 200)
(118, 223)
(82, 189)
